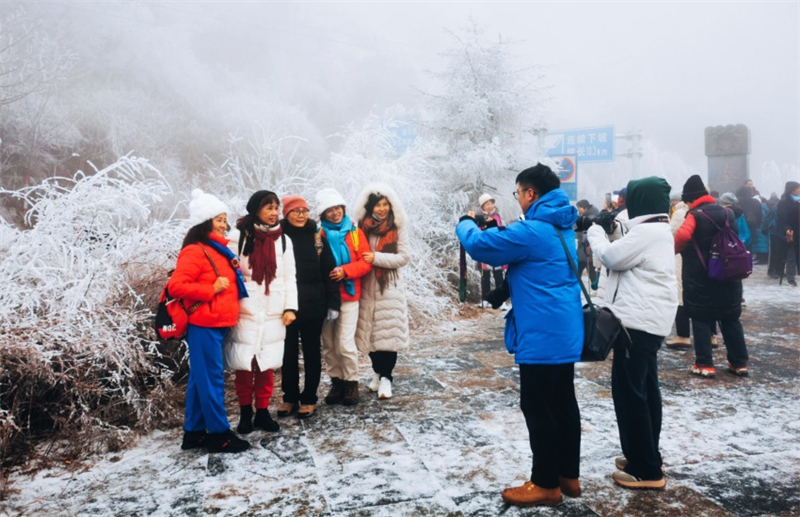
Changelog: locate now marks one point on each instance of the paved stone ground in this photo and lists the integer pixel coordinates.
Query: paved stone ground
(453, 437)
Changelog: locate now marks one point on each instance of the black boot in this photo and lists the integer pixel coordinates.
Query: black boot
(226, 442)
(264, 421)
(193, 440)
(334, 396)
(350, 396)
(245, 420)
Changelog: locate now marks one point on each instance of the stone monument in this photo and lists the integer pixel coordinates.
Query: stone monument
(727, 148)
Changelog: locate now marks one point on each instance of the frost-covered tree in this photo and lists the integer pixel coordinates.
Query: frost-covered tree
(484, 114)
(78, 355)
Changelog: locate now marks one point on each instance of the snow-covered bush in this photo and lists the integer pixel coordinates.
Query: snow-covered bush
(76, 348)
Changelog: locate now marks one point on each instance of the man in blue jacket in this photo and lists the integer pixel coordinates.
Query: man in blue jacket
(544, 329)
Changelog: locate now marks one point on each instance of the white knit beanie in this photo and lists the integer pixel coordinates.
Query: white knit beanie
(204, 206)
(328, 198)
(484, 198)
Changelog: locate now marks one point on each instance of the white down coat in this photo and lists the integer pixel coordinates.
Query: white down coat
(260, 331)
(383, 317)
(642, 289)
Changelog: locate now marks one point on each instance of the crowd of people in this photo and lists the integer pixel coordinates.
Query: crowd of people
(647, 256)
(272, 287)
(260, 293)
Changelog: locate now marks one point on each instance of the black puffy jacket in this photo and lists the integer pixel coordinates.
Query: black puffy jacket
(706, 299)
(316, 292)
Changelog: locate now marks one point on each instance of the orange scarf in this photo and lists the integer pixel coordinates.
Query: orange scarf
(387, 243)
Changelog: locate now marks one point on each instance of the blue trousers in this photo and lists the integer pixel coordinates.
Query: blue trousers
(205, 394)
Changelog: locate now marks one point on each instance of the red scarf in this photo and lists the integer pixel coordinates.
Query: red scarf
(262, 260)
(387, 243)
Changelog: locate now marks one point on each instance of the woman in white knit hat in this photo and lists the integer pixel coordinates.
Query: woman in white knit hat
(208, 281)
(348, 244)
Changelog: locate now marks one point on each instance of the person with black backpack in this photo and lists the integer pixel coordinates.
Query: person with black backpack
(708, 299)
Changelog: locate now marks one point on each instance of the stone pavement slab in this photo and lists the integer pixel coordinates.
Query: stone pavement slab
(453, 437)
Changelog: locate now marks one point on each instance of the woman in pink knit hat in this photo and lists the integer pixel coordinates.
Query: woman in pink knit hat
(318, 299)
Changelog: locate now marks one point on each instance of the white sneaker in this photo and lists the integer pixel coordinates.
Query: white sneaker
(385, 390)
(484, 304)
(376, 382)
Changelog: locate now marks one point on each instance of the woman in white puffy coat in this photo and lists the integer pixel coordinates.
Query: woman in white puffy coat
(382, 329)
(254, 349)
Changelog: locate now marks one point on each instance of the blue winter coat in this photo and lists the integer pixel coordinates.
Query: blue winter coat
(545, 325)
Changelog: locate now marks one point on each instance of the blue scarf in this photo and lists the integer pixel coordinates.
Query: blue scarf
(336, 234)
(228, 254)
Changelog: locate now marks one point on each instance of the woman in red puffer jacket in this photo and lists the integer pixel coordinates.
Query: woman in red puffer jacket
(205, 278)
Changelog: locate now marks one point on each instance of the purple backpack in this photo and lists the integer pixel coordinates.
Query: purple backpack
(728, 258)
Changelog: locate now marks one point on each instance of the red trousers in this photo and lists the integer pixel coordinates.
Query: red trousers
(254, 382)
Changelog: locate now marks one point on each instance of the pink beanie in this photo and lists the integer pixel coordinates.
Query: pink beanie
(291, 202)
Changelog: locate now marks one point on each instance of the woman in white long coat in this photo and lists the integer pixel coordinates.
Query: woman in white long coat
(382, 329)
(254, 348)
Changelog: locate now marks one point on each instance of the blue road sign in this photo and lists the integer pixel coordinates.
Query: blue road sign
(592, 144)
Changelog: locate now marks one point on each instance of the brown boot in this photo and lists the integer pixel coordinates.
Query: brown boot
(570, 487)
(334, 396)
(350, 396)
(532, 495)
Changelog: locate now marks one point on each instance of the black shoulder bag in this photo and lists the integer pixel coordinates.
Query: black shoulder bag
(602, 330)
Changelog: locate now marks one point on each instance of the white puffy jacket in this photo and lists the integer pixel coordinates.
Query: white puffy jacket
(260, 331)
(642, 289)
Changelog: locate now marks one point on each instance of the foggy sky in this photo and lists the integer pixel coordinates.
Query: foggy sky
(669, 69)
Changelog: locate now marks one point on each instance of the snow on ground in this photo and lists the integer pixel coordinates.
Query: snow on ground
(453, 437)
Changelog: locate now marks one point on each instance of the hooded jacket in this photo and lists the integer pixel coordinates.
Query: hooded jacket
(545, 326)
(642, 289)
(383, 316)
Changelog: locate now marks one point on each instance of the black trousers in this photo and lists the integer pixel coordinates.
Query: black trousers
(637, 403)
(307, 333)
(682, 326)
(486, 276)
(732, 333)
(547, 398)
(383, 363)
(775, 254)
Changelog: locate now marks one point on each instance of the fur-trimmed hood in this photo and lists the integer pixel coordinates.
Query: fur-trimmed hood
(384, 190)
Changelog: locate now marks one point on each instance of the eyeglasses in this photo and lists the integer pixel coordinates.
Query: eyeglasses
(517, 192)
(299, 211)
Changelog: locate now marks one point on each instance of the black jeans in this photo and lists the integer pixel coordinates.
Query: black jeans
(732, 333)
(383, 363)
(588, 266)
(308, 333)
(486, 276)
(637, 403)
(547, 398)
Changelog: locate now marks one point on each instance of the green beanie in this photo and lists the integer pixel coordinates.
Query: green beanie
(647, 196)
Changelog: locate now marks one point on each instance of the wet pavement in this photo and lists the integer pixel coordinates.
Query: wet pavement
(453, 437)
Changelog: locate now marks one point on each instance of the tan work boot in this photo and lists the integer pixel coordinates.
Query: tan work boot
(532, 495)
(678, 342)
(570, 487)
(626, 480)
(306, 410)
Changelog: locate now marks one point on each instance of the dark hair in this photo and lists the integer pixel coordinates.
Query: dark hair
(322, 215)
(198, 233)
(246, 223)
(540, 178)
(373, 200)
(713, 193)
(789, 187)
(583, 203)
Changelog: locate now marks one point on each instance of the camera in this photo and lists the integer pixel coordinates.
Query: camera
(605, 219)
(485, 222)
